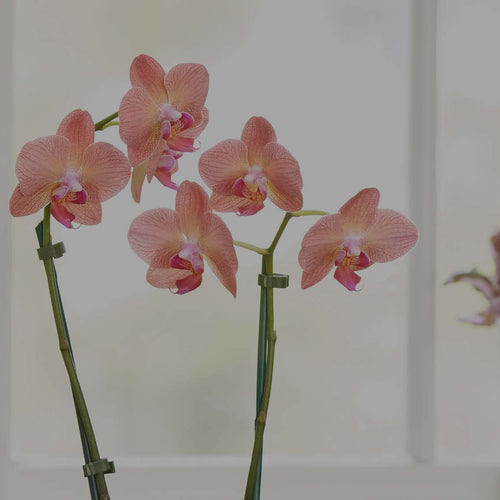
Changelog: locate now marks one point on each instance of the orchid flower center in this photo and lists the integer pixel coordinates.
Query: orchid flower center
(173, 121)
(252, 185)
(351, 255)
(69, 189)
(189, 258)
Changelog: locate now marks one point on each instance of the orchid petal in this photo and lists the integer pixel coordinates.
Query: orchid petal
(166, 277)
(216, 244)
(495, 250)
(62, 214)
(390, 236)
(199, 124)
(105, 171)
(191, 203)
(147, 73)
(78, 128)
(359, 212)
(189, 283)
(323, 264)
(138, 176)
(21, 205)
(257, 132)
(182, 144)
(479, 281)
(42, 162)
(347, 277)
(187, 87)
(154, 159)
(89, 214)
(233, 203)
(155, 236)
(223, 164)
(139, 120)
(485, 318)
(283, 175)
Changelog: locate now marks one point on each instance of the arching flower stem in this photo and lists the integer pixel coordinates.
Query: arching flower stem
(105, 121)
(65, 348)
(265, 353)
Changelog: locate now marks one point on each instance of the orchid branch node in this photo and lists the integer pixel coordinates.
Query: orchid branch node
(102, 466)
(51, 251)
(273, 280)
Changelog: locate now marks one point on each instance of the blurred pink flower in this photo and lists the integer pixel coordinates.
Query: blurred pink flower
(488, 286)
(69, 171)
(242, 174)
(160, 118)
(175, 243)
(355, 238)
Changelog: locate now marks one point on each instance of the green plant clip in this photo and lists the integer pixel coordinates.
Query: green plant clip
(51, 251)
(101, 466)
(273, 280)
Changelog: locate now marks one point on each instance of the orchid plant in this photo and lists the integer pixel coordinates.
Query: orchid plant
(160, 119)
(489, 287)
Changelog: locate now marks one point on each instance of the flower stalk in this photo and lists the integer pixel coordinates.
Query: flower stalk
(89, 442)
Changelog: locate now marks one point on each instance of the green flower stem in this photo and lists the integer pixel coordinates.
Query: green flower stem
(253, 482)
(248, 246)
(64, 347)
(110, 124)
(103, 123)
(265, 353)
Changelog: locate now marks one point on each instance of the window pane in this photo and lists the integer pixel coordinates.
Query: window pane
(468, 151)
(175, 375)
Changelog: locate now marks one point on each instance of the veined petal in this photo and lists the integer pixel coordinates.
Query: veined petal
(359, 212)
(257, 132)
(216, 244)
(42, 162)
(89, 213)
(155, 236)
(166, 277)
(105, 171)
(147, 73)
(283, 175)
(390, 235)
(233, 203)
(138, 176)
(324, 239)
(21, 205)
(323, 264)
(139, 119)
(223, 164)
(78, 128)
(181, 144)
(187, 87)
(191, 203)
(154, 159)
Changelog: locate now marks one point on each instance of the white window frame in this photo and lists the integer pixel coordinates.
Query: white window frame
(417, 476)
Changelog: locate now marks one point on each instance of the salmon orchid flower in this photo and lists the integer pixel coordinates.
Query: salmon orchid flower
(243, 173)
(359, 235)
(176, 243)
(161, 116)
(69, 171)
(488, 286)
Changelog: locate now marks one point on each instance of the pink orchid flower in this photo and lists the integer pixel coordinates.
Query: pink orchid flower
(242, 174)
(355, 238)
(488, 286)
(175, 243)
(160, 118)
(69, 171)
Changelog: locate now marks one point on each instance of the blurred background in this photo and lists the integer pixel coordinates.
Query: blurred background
(173, 376)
